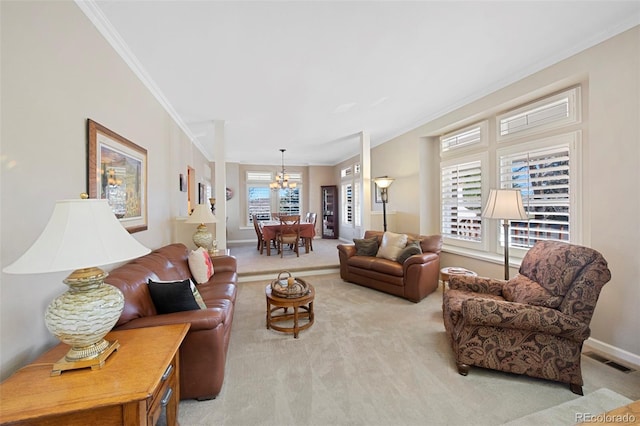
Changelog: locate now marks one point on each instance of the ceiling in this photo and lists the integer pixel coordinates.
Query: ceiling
(310, 76)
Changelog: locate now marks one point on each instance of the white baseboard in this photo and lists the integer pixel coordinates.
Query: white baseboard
(613, 352)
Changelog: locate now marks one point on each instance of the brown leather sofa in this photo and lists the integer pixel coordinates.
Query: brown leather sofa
(204, 349)
(414, 280)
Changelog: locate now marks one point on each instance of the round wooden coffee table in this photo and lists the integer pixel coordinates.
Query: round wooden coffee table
(302, 310)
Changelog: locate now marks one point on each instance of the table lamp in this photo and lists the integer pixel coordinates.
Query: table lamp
(81, 235)
(202, 215)
(383, 183)
(505, 204)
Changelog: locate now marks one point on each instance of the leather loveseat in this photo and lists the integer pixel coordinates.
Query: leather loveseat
(414, 279)
(204, 349)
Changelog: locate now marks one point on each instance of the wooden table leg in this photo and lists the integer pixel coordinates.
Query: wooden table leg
(295, 322)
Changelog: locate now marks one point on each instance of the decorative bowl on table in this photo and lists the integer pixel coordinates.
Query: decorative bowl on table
(289, 287)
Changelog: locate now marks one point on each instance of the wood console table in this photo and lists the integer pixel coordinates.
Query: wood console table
(132, 387)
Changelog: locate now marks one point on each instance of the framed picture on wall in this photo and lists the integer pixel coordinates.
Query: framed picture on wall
(117, 172)
(378, 194)
(202, 193)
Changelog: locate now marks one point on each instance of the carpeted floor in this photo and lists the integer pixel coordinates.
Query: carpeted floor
(371, 359)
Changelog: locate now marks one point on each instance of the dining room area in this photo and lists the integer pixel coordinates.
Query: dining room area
(285, 234)
(254, 262)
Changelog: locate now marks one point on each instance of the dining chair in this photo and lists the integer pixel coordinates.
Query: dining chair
(311, 218)
(289, 233)
(256, 226)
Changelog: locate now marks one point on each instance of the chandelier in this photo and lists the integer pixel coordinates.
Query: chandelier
(282, 179)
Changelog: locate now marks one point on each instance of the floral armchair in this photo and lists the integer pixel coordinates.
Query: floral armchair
(533, 324)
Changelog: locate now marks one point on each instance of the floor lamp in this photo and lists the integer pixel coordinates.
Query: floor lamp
(383, 183)
(505, 204)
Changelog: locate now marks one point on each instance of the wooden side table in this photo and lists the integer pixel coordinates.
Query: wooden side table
(453, 270)
(132, 388)
(275, 303)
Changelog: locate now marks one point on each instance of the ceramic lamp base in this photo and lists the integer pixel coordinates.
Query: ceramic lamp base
(203, 238)
(84, 315)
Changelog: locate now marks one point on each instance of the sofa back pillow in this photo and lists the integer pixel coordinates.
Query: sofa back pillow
(521, 289)
(173, 296)
(366, 246)
(413, 247)
(200, 265)
(392, 245)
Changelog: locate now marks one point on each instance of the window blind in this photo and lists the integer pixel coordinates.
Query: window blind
(543, 178)
(461, 200)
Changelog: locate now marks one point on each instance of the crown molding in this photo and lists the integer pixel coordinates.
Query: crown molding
(102, 24)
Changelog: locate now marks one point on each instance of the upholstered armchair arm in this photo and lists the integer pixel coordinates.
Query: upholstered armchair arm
(476, 284)
(499, 313)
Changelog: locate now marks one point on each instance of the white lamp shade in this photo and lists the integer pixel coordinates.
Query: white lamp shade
(80, 234)
(202, 214)
(504, 204)
(384, 181)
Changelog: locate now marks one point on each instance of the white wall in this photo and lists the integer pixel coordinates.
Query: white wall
(56, 72)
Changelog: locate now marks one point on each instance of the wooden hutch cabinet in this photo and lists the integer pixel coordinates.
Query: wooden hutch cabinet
(330, 223)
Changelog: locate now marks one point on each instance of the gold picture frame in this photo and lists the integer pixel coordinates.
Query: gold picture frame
(117, 172)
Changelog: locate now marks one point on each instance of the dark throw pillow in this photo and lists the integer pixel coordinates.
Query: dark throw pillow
(366, 247)
(412, 248)
(173, 297)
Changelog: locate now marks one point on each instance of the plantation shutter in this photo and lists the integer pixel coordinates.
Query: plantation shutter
(461, 194)
(543, 178)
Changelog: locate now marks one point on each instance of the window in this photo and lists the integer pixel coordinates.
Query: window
(550, 112)
(350, 196)
(461, 202)
(262, 200)
(347, 203)
(544, 176)
(259, 202)
(469, 136)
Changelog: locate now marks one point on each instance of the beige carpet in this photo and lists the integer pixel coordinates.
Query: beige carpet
(370, 359)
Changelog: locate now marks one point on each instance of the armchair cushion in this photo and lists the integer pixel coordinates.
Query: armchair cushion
(391, 246)
(523, 290)
(366, 246)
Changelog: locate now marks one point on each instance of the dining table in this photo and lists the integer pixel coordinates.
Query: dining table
(270, 230)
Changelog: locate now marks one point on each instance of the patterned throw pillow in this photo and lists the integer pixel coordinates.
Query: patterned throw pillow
(200, 265)
(392, 245)
(412, 248)
(366, 246)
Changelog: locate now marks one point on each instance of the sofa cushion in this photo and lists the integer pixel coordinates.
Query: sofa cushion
(521, 289)
(200, 265)
(412, 248)
(366, 246)
(391, 246)
(173, 297)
